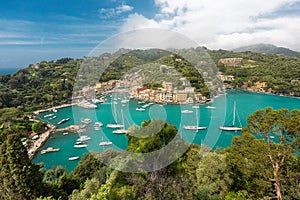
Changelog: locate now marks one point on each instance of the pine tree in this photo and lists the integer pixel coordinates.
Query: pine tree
(19, 179)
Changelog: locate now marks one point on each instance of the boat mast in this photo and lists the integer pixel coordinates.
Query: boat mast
(197, 119)
(123, 123)
(233, 120)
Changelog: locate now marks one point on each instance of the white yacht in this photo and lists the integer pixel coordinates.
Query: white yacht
(121, 130)
(186, 111)
(105, 143)
(232, 127)
(195, 127)
(73, 158)
(83, 138)
(210, 107)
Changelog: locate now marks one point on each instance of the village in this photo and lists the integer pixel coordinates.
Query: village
(167, 92)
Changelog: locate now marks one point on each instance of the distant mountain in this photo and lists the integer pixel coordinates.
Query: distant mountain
(269, 49)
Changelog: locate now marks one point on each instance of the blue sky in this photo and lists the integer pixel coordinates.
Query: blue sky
(36, 30)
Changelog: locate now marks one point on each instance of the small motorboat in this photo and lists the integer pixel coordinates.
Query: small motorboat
(73, 158)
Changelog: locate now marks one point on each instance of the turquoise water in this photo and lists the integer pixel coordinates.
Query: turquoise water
(246, 104)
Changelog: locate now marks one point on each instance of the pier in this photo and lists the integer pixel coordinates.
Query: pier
(37, 144)
(53, 108)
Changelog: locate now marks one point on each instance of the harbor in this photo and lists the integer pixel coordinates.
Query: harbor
(212, 116)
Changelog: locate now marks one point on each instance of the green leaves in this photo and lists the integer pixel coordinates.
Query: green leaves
(18, 176)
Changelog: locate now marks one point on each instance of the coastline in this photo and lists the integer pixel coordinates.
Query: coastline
(265, 93)
(37, 144)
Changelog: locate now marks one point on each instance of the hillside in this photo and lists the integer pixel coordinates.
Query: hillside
(279, 73)
(51, 83)
(269, 49)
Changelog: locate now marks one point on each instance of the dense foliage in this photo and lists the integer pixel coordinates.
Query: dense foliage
(277, 71)
(40, 85)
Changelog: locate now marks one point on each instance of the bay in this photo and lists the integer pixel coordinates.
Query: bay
(110, 112)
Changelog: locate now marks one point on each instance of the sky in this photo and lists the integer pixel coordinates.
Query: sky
(36, 30)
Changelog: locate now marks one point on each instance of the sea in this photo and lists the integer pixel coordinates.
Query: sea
(119, 109)
(6, 71)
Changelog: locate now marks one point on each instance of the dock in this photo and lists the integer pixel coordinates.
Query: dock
(53, 108)
(71, 129)
(37, 144)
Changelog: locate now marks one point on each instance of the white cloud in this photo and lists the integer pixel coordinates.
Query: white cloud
(112, 12)
(123, 8)
(225, 24)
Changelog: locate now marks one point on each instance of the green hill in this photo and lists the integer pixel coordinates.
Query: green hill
(51, 83)
(269, 49)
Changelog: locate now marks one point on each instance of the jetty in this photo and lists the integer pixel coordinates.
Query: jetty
(53, 108)
(37, 144)
(72, 128)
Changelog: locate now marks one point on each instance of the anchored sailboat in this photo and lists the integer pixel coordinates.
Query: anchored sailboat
(233, 127)
(116, 125)
(122, 130)
(105, 143)
(196, 128)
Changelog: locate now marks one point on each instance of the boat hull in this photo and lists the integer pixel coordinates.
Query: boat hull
(195, 128)
(230, 128)
(73, 158)
(105, 143)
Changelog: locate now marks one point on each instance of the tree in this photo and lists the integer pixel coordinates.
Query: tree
(37, 126)
(19, 178)
(283, 124)
(248, 166)
(212, 176)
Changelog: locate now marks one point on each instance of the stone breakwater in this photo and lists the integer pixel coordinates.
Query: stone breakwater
(53, 108)
(72, 128)
(38, 143)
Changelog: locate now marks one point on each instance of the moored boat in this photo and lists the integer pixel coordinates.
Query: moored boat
(210, 107)
(194, 128)
(105, 143)
(232, 127)
(50, 149)
(73, 158)
(83, 138)
(86, 104)
(63, 121)
(186, 111)
(80, 145)
(114, 126)
(120, 131)
(49, 115)
(98, 124)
